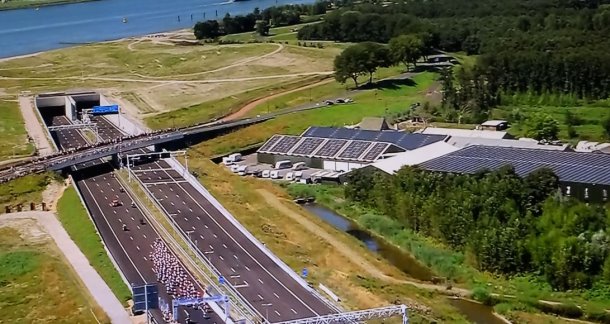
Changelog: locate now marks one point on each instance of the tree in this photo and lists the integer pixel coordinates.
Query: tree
(262, 27)
(360, 59)
(406, 49)
(207, 29)
(543, 127)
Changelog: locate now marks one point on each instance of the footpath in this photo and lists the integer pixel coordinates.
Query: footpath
(33, 126)
(95, 284)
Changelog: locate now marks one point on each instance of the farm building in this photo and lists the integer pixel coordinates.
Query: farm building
(582, 175)
(341, 149)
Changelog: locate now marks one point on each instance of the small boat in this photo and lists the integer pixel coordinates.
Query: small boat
(124, 20)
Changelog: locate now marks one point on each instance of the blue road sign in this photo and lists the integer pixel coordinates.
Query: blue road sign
(221, 280)
(304, 272)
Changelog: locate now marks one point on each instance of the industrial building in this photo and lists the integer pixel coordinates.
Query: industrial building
(582, 175)
(341, 149)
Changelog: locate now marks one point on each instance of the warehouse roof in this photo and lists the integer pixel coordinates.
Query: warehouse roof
(590, 168)
(469, 141)
(417, 156)
(465, 132)
(404, 140)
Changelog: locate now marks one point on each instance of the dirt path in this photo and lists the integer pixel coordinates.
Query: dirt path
(279, 48)
(33, 126)
(265, 77)
(98, 289)
(247, 108)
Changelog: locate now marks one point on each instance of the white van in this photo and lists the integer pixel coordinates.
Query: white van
(242, 170)
(298, 175)
(286, 164)
(226, 161)
(275, 174)
(266, 174)
(235, 168)
(289, 176)
(299, 166)
(235, 157)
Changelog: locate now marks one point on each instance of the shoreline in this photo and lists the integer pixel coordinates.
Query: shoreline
(42, 4)
(9, 58)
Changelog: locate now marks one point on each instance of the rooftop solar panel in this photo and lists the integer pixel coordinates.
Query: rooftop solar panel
(308, 146)
(330, 148)
(375, 151)
(354, 149)
(345, 133)
(569, 166)
(285, 144)
(325, 132)
(270, 142)
(368, 135)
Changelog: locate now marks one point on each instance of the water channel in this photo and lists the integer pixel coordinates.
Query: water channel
(473, 311)
(26, 31)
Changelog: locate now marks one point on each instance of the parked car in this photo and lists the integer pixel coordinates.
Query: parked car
(329, 102)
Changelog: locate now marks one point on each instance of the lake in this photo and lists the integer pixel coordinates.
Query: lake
(27, 31)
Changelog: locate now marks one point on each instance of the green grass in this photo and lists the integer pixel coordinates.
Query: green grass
(590, 128)
(14, 141)
(24, 190)
(377, 102)
(75, 220)
(527, 289)
(37, 286)
(284, 33)
(19, 4)
(208, 110)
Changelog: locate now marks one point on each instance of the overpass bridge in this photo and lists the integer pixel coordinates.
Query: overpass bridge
(66, 159)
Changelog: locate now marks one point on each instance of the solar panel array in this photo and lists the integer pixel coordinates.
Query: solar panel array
(285, 144)
(576, 167)
(270, 142)
(375, 151)
(407, 141)
(307, 146)
(330, 148)
(354, 149)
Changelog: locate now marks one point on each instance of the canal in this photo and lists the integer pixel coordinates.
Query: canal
(26, 31)
(473, 311)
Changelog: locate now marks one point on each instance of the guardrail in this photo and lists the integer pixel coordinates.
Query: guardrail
(205, 193)
(247, 310)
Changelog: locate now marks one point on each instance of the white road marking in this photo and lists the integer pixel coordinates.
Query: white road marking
(259, 280)
(261, 297)
(221, 258)
(276, 296)
(278, 314)
(292, 309)
(247, 268)
(224, 245)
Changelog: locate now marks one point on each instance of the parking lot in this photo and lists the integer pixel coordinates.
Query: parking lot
(248, 166)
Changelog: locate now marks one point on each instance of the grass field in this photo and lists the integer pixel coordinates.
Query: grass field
(590, 116)
(447, 263)
(18, 4)
(77, 223)
(38, 286)
(300, 248)
(24, 190)
(376, 102)
(286, 33)
(14, 141)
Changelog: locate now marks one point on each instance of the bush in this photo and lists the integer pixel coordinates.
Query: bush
(481, 294)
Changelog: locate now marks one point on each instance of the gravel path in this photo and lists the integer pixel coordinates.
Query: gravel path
(92, 280)
(33, 126)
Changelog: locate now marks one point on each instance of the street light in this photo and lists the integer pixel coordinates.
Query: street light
(267, 305)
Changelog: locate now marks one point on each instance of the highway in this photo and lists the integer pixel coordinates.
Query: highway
(260, 280)
(130, 248)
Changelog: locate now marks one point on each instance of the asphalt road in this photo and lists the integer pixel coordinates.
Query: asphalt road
(267, 287)
(131, 249)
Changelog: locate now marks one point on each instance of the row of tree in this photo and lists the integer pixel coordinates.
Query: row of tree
(258, 20)
(539, 47)
(366, 57)
(508, 224)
